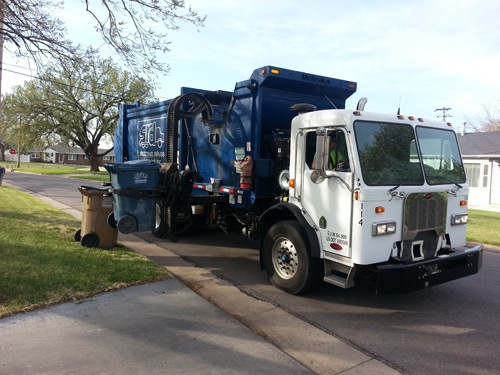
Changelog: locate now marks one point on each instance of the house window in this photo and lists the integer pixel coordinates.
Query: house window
(106, 158)
(72, 157)
(485, 175)
(473, 171)
(477, 174)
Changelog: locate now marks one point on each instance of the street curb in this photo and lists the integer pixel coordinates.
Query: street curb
(314, 348)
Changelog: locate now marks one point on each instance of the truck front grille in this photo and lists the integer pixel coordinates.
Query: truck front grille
(424, 212)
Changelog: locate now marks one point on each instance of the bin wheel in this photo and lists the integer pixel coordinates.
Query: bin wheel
(90, 240)
(111, 220)
(78, 235)
(127, 224)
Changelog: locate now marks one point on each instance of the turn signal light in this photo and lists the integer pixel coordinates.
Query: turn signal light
(463, 203)
(291, 183)
(379, 209)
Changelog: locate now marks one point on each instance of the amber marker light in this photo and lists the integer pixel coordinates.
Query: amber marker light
(463, 203)
(356, 195)
(263, 71)
(275, 71)
(379, 209)
(291, 183)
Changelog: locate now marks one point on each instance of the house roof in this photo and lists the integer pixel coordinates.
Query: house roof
(480, 144)
(61, 149)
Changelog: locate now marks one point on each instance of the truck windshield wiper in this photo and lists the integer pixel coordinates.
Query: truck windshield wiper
(447, 180)
(402, 183)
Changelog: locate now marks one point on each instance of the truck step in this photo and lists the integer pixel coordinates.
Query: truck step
(337, 280)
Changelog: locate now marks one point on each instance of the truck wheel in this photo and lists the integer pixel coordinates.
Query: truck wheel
(159, 228)
(111, 220)
(287, 260)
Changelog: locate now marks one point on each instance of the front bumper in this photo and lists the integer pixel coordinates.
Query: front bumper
(407, 277)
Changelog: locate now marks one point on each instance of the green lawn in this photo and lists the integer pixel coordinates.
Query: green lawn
(77, 171)
(41, 264)
(484, 227)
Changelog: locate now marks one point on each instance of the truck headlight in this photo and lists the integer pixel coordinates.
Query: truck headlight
(380, 229)
(457, 219)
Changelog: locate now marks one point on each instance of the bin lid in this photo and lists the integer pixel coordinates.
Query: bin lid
(89, 190)
(132, 165)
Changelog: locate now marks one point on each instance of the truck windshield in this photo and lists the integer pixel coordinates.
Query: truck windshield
(389, 154)
(440, 156)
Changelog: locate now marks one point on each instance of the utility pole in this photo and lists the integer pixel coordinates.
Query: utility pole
(444, 110)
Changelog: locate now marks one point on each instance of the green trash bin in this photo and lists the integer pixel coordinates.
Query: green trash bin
(135, 189)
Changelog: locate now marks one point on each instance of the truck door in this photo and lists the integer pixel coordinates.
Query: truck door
(329, 204)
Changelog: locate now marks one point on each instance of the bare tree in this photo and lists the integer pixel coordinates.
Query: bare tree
(489, 121)
(30, 29)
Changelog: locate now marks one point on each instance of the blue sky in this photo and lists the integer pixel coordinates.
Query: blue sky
(427, 53)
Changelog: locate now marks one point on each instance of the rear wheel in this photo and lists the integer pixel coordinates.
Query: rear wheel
(287, 260)
(90, 240)
(127, 224)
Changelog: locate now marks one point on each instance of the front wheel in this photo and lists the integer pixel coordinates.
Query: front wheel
(287, 260)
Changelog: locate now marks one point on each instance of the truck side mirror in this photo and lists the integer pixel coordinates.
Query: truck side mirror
(322, 156)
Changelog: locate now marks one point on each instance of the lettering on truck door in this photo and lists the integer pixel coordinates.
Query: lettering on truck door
(329, 203)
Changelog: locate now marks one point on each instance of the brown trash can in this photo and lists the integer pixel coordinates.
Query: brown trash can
(97, 207)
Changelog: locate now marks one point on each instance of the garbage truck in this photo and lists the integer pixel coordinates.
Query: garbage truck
(330, 194)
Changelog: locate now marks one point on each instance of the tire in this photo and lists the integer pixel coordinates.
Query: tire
(127, 224)
(78, 235)
(182, 222)
(287, 260)
(159, 226)
(90, 240)
(111, 220)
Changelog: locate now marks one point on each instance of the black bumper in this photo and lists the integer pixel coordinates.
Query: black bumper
(407, 277)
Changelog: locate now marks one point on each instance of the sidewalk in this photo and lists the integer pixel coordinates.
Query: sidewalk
(168, 328)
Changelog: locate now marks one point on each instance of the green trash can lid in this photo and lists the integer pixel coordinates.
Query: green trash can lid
(132, 165)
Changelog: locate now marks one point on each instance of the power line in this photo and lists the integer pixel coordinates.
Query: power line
(60, 83)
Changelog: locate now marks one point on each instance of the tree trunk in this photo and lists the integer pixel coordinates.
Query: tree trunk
(94, 164)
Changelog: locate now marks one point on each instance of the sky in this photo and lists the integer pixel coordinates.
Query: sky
(420, 55)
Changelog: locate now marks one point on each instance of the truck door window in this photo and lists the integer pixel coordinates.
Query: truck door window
(339, 157)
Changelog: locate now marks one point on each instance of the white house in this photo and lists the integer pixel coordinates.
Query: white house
(481, 156)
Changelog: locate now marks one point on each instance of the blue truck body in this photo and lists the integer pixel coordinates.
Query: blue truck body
(252, 120)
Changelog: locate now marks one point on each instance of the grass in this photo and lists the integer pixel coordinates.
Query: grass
(77, 171)
(484, 227)
(41, 264)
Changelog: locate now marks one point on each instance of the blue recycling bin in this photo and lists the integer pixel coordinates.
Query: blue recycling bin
(135, 188)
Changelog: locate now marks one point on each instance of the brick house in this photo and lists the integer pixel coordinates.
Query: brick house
(72, 155)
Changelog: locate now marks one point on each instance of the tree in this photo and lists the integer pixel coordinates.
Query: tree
(77, 101)
(489, 121)
(29, 29)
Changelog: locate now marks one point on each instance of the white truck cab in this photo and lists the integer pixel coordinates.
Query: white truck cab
(386, 193)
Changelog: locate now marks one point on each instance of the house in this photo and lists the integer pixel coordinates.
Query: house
(481, 157)
(72, 155)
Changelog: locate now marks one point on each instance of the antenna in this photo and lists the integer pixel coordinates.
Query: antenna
(444, 110)
(399, 106)
(333, 105)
